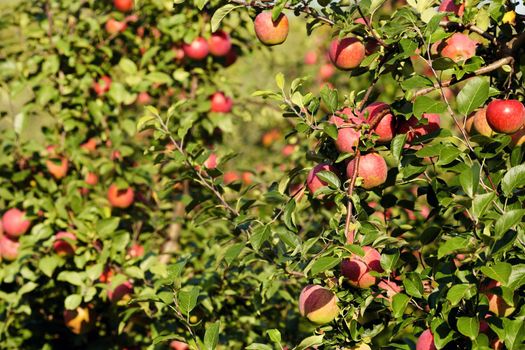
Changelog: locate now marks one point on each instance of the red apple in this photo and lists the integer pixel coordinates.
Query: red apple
(386, 128)
(459, 47)
(220, 103)
(270, 137)
(247, 178)
(123, 5)
(326, 71)
(390, 287)
(15, 223)
(426, 341)
(347, 139)
(8, 248)
(372, 168)
(271, 32)
(346, 53)
(120, 198)
(179, 53)
(91, 179)
(57, 167)
(219, 43)
(318, 304)
(178, 345)
(231, 57)
(230, 176)
(90, 145)
(143, 98)
(450, 6)
(506, 116)
(63, 244)
(197, 49)
(288, 150)
(113, 26)
(122, 291)
(518, 138)
(497, 304)
(313, 182)
(480, 123)
(136, 251)
(102, 85)
(357, 268)
(310, 58)
(211, 162)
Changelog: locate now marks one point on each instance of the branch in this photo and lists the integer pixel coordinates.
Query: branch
(369, 26)
(454, 26)
(350, 235)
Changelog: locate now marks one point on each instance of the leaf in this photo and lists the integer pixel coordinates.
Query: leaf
(499, 271)
(259, 236)
(473, 95)
(469, 179)
(211, 337)
(514, 178)
(456, 293)
(468, 326)
(425, 104)
(106, 227)
(330, 178)
(128, 66)
(517, 276)
(451, 245)
(187, 299)
(70, 277)
(413, 285)
(324, 263)
(200, 4)
(72, 301)
(329, 97)
(514, 333)
(288, 214)
(274, 335)
(310, 342)
(397, 144)
(399, 304)
(481, 203)
(219, 15)
(508, 220)
(48, 265)
(259, 346)
(159, 77)
(279, 80)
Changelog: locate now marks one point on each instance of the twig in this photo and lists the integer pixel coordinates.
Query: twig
(350, 235)
(454, 26)
(369, 26)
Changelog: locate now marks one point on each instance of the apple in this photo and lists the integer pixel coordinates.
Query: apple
(120, 198)
(64, 243)
(121, 292)
(310, 58)
(211, 161)
(426, 341)
(459, 47)
(179, 53)
(247, 178)
(178, 345)
(143, 98)
(91, 179)
(219, 43)
(90, 145)
(372, 168)
(480, 123)
(220, 103)
(197, 49)
(288, 150)
(390, 287)
(362, 346)
(346, 53)
(113, 26)
(347, 139)
(15, 223)
(506, 116)
(8, 248)
(230, 177)
(414, 128)
(123, 5)
(136, 251)
(326, 71)
(371, 46)
(270, 137)
(102, 85)
(518, 138)
(450, 6)
(497, 304)
(497, 344)
(231, 57)
(268, 31)
(357, 268)
(386, 128)
(80, 320)
(313, 182)
(57, 167)
(318, 304)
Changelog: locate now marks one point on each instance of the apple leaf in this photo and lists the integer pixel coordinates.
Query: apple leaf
(508, 220)
(514, 178)
(499, 271)
(219, 15)
(211, 337)
(425, 104)
(468, 326)
(474, 94)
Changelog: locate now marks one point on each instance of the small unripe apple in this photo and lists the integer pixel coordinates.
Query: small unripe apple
(122, 198)
(310, 58)
(61, 244)
(221, 103)
(123, 5)
(480, 123)
(318, 304)
(326, 71)
(219, 43)
(414, 128)
(506, 116)
(211, 161)
(313, 182)
(80, 320)
(113, 26)
(497, 304)
(102, 85)
(8, 248)
(57, 167)
(450, 6)
(121, 291)
(178, 345)
(271, 32)
(426, 341)
(518, 138)
(372, 168)
(15, 223)
(143, 98)
(386, 128)
(459, 47)
(346, 53)
(357, 268)
(197, 49)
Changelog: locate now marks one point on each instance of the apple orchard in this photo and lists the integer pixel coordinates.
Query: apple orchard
(261, 175)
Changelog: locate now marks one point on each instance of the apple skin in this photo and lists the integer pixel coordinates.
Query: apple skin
(90, 145)
(136, 251)
(480, 123)
(459, 47)
(143, 98)
(518, 138)
(347, 53)
(196, 50)
(318, 304)
(80, 320)
(221, 103)
(230, 177)
(497, 304)
(102, 85)
(219, 43)
(386, 128)
(270, 137)
(313, 182)
(123, 5)
(390, 287)
(347, 137)
(450, 6)
(211, 162)
(426, 341)
(120, 198)
(326, 71)
(357, 268)
(57, 167)
(120, 292)
(414, 129)
(91, 179)
(113, 26)
(372, 168)
(506, 116)
(63, 247)
(178, 345)
(271, 32)
(14, 222)
(310, 58)
(8, 248)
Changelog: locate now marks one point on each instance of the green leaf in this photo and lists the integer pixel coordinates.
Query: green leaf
(499, 271)
(456, 293)
(517, 276)
(389, 261)
(70, 277)
(201, 3)
(331, 130)
(508, 220)
(128, 66)
(219, 15)
(481, 203)
(48, 264)
(324, 263)
(274, 335)
(425, 104)
(468, 326)
(106, 227)
(514, 178)
(399, 304)
(310, 342)
(397, 144)
(473, 95)
(211, 337)
(288, 214)
(451, 245)
(413, 285)
(279, 80)
(187, 299)
(72, 301)
(330, 178)
(514, 333)
(159, 77)
(469, 179)
(259, 236)
(329, 97)
(259, 346)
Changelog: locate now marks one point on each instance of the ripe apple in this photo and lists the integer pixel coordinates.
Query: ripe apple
(390, 287)
(426, 341)
(231, 57)
(90, 145)
(143, 98)
(123, 5)
(120, 198)
(63, 244)
(219, 43)
(91, 179)
(357, 268)
(518, 138)
(8, 248)
(270, 137)
(506, 116)
(497, 304)
(102, 85)
(230, 177)
(57, 167)
(310, 58)
(271, 32)
(221, 103)
(386, 128)
(459, 47)
(313, 182)
(346, 53)
(326, 71)
(136, 251)
(178, 345)
(247, 178)
(121, 292)
(80, 320)
(179, 53)
(480, 123)
(414, 128)
(15, 223)
(450, 6)
(347, 139)
(288, 150)
(113, 26)
(211, 162)
(372, 168)
(318, 304)
(197, 49)
(371, 46)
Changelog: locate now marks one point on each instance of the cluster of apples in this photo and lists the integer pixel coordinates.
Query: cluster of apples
(14, 224)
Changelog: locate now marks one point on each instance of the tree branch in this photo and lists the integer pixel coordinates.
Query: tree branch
(454, 26)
